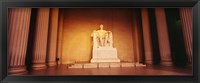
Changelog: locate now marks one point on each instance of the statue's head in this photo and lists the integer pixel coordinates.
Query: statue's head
(101, 27)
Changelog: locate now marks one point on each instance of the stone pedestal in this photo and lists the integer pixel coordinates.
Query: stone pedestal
(104, 55)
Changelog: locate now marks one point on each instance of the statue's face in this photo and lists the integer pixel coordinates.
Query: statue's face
(101, 26)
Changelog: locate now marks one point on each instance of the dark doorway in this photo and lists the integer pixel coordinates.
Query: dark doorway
(178, 52)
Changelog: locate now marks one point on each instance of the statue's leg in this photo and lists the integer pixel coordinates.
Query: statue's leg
(97, 42)
(106, 41)
(101, 41)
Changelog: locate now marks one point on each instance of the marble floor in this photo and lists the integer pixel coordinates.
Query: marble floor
(62, 70)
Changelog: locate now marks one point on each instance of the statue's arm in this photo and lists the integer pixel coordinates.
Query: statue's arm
(93, 33)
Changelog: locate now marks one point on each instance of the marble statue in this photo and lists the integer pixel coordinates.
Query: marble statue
(102, 38)
(103, 50)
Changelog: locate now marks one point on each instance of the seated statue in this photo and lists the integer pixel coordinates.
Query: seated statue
(103, 50)
(102, 38)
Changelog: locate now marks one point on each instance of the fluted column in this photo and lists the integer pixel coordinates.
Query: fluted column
(18, 30)
(137, 38)
(60, 32)
(147, 36)
(52, 41)
(163, 38)
(40, 42)
(186, 22)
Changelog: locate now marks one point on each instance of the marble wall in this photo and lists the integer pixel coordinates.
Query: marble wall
(78, 25)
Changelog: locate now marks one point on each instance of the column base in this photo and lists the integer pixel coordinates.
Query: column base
(38, 66)
(166, 63)
(148, 62)
(51, 63)
(17, 70)
(137, 64)
(189, 65)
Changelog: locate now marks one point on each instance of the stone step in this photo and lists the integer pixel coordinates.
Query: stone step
(105, 65)
(140, 65)
(76, 66)
(127, 64)
(90, 65)
(115, 64)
